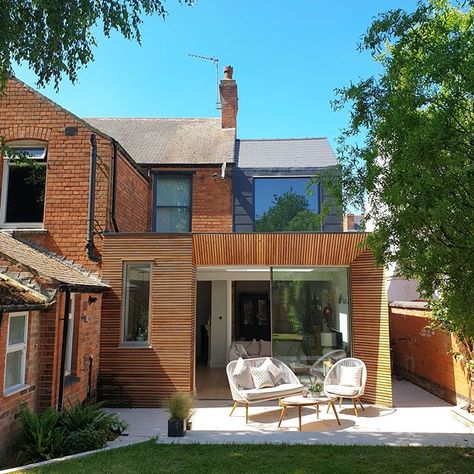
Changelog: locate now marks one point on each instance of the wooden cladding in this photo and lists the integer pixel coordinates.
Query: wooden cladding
(370, 327)
(149, 375)
(338, 249)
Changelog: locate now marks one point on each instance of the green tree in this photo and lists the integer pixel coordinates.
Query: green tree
(289, 212)
(409, 151)
(56, 37)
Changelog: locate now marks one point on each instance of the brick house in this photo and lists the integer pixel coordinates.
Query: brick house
(196, 239)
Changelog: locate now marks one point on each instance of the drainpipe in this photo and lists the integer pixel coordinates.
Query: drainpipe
(90, 217)
(67, 307)
(114, 187)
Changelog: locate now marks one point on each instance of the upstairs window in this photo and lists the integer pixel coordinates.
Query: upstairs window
(172, 203)
(23, 186)
(286, 204)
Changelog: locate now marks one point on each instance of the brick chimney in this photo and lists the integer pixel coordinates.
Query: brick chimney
(229, 99)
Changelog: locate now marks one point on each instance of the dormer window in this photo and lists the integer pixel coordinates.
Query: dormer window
(23, 186)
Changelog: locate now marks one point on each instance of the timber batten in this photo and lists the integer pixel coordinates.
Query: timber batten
(149, 375)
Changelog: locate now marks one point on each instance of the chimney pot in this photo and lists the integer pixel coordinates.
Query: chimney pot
(228, 71)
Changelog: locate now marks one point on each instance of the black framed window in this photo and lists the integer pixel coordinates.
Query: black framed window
(172, 203)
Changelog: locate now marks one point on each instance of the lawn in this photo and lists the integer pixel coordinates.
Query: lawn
(149, 457)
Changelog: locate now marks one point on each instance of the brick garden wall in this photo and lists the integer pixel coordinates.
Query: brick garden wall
(421, 355)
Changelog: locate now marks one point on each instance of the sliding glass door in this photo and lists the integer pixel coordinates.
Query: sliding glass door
(310, 318)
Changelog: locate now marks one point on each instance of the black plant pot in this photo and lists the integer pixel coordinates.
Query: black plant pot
(176, 428)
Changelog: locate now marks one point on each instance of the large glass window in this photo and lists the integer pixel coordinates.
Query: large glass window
(286, 204)
(15, 359)
(24, 179)
(172, 203)
(137, 280)
(310, 319)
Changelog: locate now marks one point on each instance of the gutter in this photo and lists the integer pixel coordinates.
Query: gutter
(114, 186)
(90, 218)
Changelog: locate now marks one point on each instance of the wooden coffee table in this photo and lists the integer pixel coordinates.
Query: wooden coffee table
(300, 402)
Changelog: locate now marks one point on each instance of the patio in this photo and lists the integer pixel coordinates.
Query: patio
(418, 419)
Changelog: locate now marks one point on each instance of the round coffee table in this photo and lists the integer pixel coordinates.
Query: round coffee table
(300, 402)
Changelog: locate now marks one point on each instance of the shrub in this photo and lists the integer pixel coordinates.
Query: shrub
(84, 439)
(43, 434)
(179, 406)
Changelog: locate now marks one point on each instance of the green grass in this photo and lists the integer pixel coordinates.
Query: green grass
(149, 457)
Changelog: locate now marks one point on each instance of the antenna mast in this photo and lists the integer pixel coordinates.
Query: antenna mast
(216, 64)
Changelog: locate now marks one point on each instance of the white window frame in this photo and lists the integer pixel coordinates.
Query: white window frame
(70, 336)
(7, 164)
(15, 348)
(125, 305)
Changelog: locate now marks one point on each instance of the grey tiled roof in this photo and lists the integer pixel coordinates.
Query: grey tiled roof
(170, 140)
(47, 265)
(285, 153)
(15, 295)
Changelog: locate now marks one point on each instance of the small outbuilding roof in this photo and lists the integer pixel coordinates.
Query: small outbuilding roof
(16, 296)
(48, 266)
(171, 141)
(285, 153)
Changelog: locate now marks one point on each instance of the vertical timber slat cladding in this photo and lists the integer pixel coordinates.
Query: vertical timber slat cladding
(149, 375)
(370, 327)
(278, 249)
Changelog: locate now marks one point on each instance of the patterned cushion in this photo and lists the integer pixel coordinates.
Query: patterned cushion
(275, 371)
(350, 376)
(261, 377)
(241, 351)
(242, 376)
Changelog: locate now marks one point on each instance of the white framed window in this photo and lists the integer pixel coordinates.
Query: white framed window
(68, 365)
(15, 357)
(136, 302)
(23, 186)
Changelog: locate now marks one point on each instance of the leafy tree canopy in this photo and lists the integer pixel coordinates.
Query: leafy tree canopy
(289, 212)
(56, 37)
(409, 150)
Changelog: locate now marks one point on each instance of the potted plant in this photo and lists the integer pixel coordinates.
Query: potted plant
(179, 407)
(315, 390)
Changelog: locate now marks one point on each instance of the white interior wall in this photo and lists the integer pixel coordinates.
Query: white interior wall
(219, 324)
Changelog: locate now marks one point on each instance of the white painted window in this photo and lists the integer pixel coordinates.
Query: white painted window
(70, 336)
(23, 186)
(15, 358)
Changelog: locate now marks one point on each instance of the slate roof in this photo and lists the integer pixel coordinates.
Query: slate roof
(285, 153)
(48, 266)
(14, 295)
(170, 141)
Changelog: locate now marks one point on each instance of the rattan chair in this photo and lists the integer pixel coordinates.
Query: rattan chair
(334, 389)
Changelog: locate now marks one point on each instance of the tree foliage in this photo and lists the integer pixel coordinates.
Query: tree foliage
(56, 37)
(289, 212)
(409, 151)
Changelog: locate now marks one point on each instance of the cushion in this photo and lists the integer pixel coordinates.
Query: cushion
(241, 351)
(242, 375)
(261, 377)
(341, 390)
(265, 348)
(253, 349)
(350, 376)
(275, 371)
(272, 393)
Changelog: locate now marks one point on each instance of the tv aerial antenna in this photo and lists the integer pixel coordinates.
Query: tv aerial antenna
(216, 64)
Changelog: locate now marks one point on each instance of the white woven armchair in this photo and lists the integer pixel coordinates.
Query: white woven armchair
(347, 379)
(287, 385)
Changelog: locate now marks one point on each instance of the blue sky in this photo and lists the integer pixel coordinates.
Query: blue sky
(288, 57)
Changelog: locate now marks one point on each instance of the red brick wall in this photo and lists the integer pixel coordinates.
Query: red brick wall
(422, 355)
(9, 406)
(211, 198)
(132, 199)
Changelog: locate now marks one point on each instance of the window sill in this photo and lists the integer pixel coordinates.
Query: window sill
(15, 389)
(26, 230)
(135, 345)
